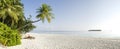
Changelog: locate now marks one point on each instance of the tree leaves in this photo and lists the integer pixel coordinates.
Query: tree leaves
(44, 12)
(12, 9)
(9, 37)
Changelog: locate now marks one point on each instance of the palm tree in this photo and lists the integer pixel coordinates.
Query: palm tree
(11, 11)
(44, 12)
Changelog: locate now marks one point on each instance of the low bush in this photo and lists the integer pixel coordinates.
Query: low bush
(9, 37)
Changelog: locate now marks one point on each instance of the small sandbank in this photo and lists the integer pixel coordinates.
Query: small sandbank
(60, 41)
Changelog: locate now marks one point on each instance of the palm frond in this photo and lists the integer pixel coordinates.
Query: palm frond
(44, 12)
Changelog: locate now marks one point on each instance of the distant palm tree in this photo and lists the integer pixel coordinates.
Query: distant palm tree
(11, 11)
(44, 12)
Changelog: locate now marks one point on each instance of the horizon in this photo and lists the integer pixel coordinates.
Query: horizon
(76, 15)
(77, 24)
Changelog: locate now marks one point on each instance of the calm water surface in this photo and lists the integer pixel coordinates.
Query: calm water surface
(99, 34)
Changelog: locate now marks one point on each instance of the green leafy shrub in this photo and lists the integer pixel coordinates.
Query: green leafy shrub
(9, 37)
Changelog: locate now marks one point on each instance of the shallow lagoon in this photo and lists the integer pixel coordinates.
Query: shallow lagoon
(97, 34)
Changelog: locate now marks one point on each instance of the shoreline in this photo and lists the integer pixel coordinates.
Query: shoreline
(60, 41)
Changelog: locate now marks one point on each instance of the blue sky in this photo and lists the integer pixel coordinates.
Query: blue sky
(76, 15)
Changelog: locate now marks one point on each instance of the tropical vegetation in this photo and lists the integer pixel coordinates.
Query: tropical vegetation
(13, 22)
(9, 37)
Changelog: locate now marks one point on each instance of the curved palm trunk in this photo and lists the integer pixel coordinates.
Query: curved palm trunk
(35, 21)
(28, 24)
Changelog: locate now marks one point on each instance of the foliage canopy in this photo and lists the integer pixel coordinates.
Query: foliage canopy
(11, 11)
(13, 22)
(9, 37)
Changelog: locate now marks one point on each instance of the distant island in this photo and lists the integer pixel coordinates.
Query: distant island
(95, 30)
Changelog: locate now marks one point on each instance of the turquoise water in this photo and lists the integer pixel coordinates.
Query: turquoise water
(99, 34)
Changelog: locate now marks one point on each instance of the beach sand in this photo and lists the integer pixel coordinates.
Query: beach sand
(60, 41)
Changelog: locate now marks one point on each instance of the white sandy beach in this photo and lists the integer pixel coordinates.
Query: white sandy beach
(59, 41)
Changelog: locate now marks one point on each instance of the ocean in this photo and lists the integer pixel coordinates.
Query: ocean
(97, 34)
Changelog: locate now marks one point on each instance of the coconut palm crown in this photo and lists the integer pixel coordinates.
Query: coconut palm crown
(44, 12)
(11, 11)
